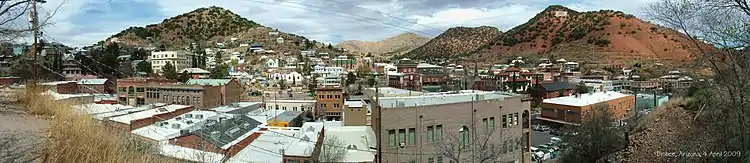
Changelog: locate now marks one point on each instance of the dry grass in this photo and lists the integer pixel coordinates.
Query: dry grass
(81, 139)
(657, 112)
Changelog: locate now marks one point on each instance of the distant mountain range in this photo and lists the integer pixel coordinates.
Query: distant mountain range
(387, 48)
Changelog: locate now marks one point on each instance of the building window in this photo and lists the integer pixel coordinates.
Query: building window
(492, 123)
(515, 118)
(510, 119)
(391, 138)
(402, 135)
(430, 160)
(464, 136)
(439, 132)
(484, 122)
(439, 159)
(139, 90)
(505, 121)
(122, 90)
(412, 139)
(335, 105)
(430, 134)
(323, 105)
(294, 108)
(330, 96)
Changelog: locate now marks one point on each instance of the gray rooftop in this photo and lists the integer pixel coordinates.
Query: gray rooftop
(288, 115)
(227, 130)
(439, 99)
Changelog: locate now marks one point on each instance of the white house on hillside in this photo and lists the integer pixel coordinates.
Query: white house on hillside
(179, 59)
(273, 63)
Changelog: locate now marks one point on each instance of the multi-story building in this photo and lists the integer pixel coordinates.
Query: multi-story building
(675, 81)
(129, 122)
(202, 93)
(422, 124)
(434, 77)
(570, 109)
(407, 76)
(344, 62)
(132, 91)
(291, 105)
(330, 102)
(509, 79)
(328, 75)
(642, 85)
(179, 59)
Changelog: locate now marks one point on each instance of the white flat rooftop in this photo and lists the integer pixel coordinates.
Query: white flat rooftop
(190, 122)
(189, 154)
(93, 108)
(425, 100)
(266, 148)
(234, 106)
(586, 99)
(147, 113)
(354, 104)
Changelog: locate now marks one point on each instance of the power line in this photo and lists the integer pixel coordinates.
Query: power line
(345, 15)
(413, 22)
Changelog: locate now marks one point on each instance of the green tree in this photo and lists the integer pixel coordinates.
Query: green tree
(235, 62)
(144, 66)
(109, 60)
(312, 85)
(582, 88)
(597, 136)
(351, 78)
(169, 71)
(219, 72)
(184, 76)
(282, 84)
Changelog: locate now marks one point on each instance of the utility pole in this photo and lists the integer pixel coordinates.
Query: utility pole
(379, 118)
(35, 48)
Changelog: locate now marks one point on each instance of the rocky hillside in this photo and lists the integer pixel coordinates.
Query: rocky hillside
(602, 36)
(206, 27)
(395, 45)
(457, 41)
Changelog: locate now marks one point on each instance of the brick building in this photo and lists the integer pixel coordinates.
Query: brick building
(570, 109)
(559, 89)
(407, 76)
(509, 79)
(132, 91)
(96, 86)
(434, 77)
(330, 102)
(416, 124)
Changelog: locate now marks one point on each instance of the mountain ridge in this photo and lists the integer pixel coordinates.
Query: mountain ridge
(388, 47)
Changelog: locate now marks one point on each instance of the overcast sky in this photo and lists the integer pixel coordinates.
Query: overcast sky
(84, 22)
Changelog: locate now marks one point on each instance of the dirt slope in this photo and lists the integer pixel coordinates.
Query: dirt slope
(602, 36)
(457, 41)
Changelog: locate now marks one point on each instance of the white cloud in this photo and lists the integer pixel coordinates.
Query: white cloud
(339, 20)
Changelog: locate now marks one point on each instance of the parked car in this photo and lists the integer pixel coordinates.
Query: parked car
(543, 128)
(555, 140)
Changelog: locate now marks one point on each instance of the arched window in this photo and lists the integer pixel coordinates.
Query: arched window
(131, 90)
(463, 134)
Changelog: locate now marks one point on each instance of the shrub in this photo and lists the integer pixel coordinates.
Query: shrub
(75, 137)
(602, 43)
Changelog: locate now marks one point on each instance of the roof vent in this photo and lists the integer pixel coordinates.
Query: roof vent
(198, 116)
(176, 126)
(188, 115)
(215, 135)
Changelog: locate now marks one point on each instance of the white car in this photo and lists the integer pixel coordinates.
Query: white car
(555, 140)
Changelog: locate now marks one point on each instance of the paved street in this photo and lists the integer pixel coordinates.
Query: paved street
(539, 138)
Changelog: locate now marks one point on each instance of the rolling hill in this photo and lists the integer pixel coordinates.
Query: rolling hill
(207, 26)
(456, 41)
(387, 48)
(603, 36)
